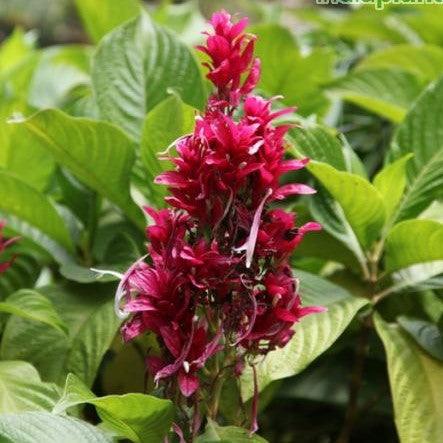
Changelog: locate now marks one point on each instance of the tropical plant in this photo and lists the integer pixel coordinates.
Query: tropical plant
(209, 313)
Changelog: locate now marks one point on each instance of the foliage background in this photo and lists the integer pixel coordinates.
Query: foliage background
(368, 90)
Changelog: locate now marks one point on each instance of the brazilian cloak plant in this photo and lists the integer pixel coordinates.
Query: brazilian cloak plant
(5, 264)
(216, 287)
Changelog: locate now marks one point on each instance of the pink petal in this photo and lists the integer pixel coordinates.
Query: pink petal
(293, 165)
(293, 189)
(249, 245)
(188, 383)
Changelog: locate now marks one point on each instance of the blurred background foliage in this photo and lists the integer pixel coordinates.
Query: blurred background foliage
(352, 73)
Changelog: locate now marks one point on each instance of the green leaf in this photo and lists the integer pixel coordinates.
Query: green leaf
(135, 66)
(329, 214)
(20, 152)
(43, 427)
(59, 70)
(413, 241)
(87, 311)
(32, 215)
(428, 335)
(21, 389)
(387, 92)
(138, 417)
(23, 274)
(314, 334)
(391, 182)
(101, 16)
(285, 71)
(227, 434)
(32, 305)
(416, 385)
(318, 143)
(168, 121)
(422, 134)
(425, 62)
(98, 154)
(361, 203)
(14, 50)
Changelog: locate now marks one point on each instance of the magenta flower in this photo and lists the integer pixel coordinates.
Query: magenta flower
(4, 265)
(217, 290)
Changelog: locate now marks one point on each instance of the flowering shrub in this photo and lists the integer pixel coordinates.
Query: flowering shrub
(218, 283)
(158, 178)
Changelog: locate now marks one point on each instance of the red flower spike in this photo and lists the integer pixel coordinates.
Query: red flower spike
(216, 277)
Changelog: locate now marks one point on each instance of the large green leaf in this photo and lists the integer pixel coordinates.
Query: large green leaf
(135, 66)
(314, 334)
(43, 427)
(227, 434)
(387, 92)
(98, 153)
(288, 72)
(101, 16)
(88, 312)
(427, 334)
(138, 417)
(168, 121)
(422, 134)
(361, 203)
(14, 50)
(21, 389)
(412, 242)
(23, 274)
(391, 182)
(58, 71)
(32, 215)
(32, 305)
(424, 61)
(416, 384)
(318, 143)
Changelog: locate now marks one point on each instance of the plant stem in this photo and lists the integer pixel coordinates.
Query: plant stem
(355, 382)
(217, 386)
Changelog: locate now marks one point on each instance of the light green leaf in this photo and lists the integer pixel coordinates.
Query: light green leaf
(314, 334)
(138, 417)
(98, 154)
(425, 62)
(361, 203)
(32, 305)
(168, 121)
(227, 434)
(318, 143)
(135, 66)
(422, 134)
(101, 16)
(59, 70)
(391, 182)
(43, 427)
(32, 215)
(88, 312)
(14, 50)
(416, 384)
(20, 152)
(413, 241)
(426, 334)
(285, 71)
(418, 277)
(387, 92)
(21, 389)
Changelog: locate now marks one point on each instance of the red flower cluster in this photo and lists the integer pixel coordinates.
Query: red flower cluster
(218, 279)
(4, 265)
